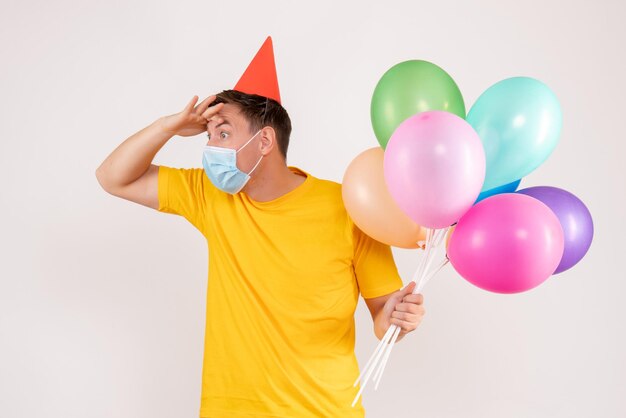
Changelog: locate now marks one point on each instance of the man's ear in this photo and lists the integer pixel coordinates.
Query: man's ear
(268, 140)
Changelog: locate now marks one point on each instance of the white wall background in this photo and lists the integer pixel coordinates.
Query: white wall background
(102, 301)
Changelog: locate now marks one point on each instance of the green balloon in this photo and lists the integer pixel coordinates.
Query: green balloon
(408, 88)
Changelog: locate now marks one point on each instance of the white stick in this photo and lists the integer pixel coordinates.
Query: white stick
(439, 267)
(430, 240)
(423, 280)
(418, 271)
(386, 338)
(433, 240)
(373, 361)
(422, 264)
(383, 362)
(367, 376)
(437, 241)
(379, 375)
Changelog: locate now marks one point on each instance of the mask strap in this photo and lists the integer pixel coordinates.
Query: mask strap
(248, 141)
(264, 112)
(255, 166)
(259, 161)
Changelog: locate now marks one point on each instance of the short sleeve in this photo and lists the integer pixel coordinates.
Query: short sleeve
(182, 191)
(375, 269)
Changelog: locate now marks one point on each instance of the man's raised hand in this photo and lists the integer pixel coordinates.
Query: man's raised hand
(191, 120)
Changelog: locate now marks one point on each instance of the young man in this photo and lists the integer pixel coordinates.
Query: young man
(286, 262)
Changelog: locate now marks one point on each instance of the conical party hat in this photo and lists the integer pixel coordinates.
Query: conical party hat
(260, 76)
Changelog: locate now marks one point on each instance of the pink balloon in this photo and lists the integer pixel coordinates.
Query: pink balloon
(434, 167)
(507, 243)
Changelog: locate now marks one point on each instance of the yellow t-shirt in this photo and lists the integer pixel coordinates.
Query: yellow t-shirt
(283, 286)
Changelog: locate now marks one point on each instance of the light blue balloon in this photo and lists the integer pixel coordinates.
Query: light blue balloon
(519, 122)
(507, 188)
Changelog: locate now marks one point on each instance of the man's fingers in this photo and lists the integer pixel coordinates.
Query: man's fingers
(212, 110)
(404, 325)
(414, 298)
(405, 316)
(216, 119)
(410, 307)
(191, 104)
(409, 287)
(204, 104)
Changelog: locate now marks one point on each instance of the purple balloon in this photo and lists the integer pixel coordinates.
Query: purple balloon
(575, 220)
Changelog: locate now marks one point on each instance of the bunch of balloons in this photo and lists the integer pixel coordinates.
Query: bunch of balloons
(437, 167)
(441, 173)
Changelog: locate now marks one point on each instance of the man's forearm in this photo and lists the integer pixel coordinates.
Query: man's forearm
(132, 157)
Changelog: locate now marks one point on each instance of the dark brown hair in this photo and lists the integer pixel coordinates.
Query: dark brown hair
(252, 107)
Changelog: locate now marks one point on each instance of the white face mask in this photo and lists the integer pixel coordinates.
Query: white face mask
(220, 166)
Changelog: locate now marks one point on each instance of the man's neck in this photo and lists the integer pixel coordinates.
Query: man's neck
(274, 181)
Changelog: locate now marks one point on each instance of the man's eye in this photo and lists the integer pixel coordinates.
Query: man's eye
(222, 133)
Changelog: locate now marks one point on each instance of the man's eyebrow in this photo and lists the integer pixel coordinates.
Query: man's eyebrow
(226, 122)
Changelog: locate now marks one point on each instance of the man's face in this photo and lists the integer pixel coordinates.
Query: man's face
(229, 129)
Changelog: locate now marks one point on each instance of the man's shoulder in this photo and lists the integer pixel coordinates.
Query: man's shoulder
(327, 193)
(324, 188)
(330, 184)
(328, 187)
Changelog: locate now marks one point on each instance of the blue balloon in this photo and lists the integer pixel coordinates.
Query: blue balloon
(507, 188)
(519, 122)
